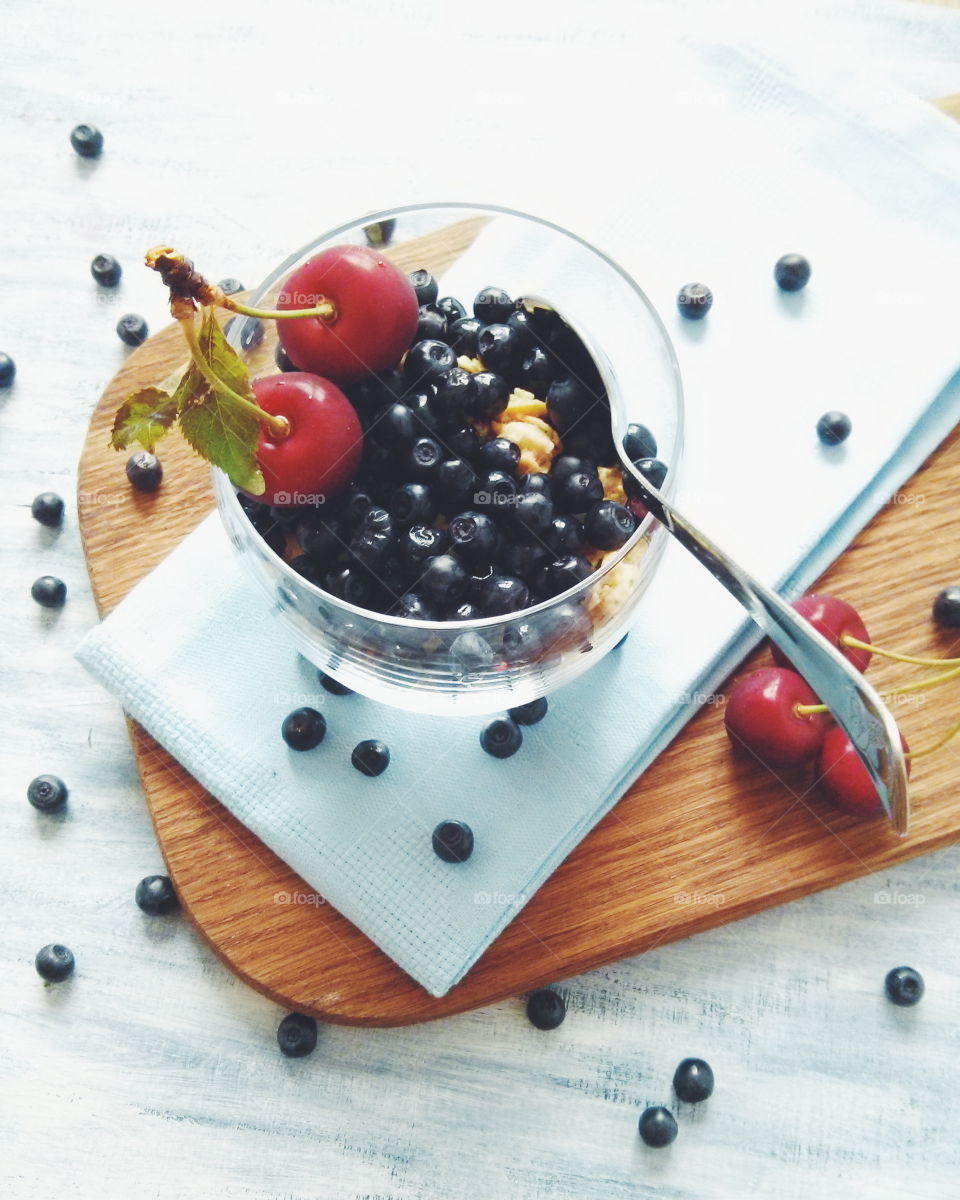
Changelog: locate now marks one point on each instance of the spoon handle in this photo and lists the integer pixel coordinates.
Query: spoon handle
(852, 701)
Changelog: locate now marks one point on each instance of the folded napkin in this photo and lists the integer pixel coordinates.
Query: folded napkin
(873, 335)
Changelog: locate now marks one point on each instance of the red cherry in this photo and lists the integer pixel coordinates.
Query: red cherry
(375, 321)
(761, 715)
(842, 777)
(832, 618)
(322, 451)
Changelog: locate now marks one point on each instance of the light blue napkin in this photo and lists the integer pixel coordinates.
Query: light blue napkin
(864, 338)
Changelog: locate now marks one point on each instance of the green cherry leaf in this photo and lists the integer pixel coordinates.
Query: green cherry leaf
(144, 417)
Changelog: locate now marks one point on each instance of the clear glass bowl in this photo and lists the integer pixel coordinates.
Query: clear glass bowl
(481, 666)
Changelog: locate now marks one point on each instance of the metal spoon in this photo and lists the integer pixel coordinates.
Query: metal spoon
(852, 701)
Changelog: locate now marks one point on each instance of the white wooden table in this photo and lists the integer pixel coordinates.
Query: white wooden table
(154, 1072)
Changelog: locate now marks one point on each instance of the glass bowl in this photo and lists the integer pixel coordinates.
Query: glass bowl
(493, 663)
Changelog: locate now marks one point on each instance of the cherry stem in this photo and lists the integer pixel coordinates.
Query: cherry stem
(279, 427)
(938, 745)
(856, 644)
(325, 309)
(809, 710)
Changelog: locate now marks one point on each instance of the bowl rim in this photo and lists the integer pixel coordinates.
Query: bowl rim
(226, 492)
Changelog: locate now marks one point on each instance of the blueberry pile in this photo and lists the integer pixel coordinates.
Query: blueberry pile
(446, 518)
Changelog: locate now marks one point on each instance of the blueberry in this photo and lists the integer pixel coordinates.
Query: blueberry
(462, 335)
(545, 1008)
(372, 547)
(423, 458)
(499, 454)
(425, 286)
(477, 580)
(562, 574)
(502, 737)
(431, 324)
(570, 402)
(455, 395)
(349, 584)
(577, 492)
(536, 482)
(376, 391)
(8, 369)
(47, 793)
(47, 508)
(333, 686)
(622, 640)
(490, 396)
(471, 651)
(297, 1035)
(145, 471)
(380, 233)
(251, 333)
(453, 841)
(496, 490)
(474, 537)
(466, 612)
(370, 757)
(443, 580)
(420, 542)
(413, 504)
(593, 439)
(834, 428)
(421, 403)
(283, 359)
(492, 305)
(946, 608)
(792, 272)
(320, 537)
(454, 484)
(132, 329)
(395, 426)
(503, 594)
(355, 503)
(230, 286)
(87, 141)
(155, 896)
(54, 963)
(304, 729)
(693, 1080)
(652, 469)
(531, 516)
(462, 443)
(525, 560)
(427, 360)
(451, 308)
(639, 442)
(49, 591)
(522, 642)
(657, 1126)
(694, 301)
(904, 986)
(608, 525)
(531, 712)
(500, 347)
(306, 567)
(106, 270)
(536, 370)
(414, 608)
(569, 464)
(275, 536)
(565, 536)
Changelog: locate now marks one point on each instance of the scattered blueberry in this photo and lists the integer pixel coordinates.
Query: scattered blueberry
(132, 329)
(425, 286)
(8, 368)
(55, 963)
(47, 508)
(546, 1008)
(106, 270)
(502, 737)
(333, 686)
(657, 1126)
(230, 286)
(531, 712)
(946, 608)
(833, 428)
(453, 841)
(87, 141)
(904, 986)
(155, 896)
(694, 301)
(380, 233)
(49, 591)
(47, 793)
(303, 729)
(370, 757)
(297, 1035)
(693, 1080)
(145, 471)
(792, 272)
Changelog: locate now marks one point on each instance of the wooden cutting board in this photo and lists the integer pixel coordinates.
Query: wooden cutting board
(702, 838)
